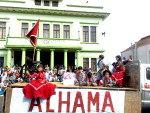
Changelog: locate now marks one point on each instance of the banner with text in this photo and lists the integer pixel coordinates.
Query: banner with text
(71, 100)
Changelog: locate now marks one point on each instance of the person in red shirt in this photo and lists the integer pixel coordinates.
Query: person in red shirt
(119, 74)
(38, 87)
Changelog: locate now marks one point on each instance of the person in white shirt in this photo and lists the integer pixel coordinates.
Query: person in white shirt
(69, 77)
(5, 77)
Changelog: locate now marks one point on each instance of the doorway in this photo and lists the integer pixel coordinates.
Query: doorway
(17, 57)
(58, 59)
(45, 57)
(71, 59)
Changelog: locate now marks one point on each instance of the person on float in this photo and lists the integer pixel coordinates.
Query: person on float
(107, 81)
(89, 79)
(61, 71)
(80, 75)
(38, 87)
(47, 67)
(53, 75)
(100, 65)
(48, 74)
(7, 78)
(119, 73)
(69, 77)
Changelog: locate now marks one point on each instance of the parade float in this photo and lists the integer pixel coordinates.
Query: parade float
(79, 99)
(75, 99)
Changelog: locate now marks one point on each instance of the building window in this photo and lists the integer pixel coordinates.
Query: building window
(37, 2)
(85, 33)
(93, 64)
(46, 30)
(56, 31)
(93, 33)
(66, 31)
(46, 3)
(85, 62)
(24, 29)
(55, 3)
(2, 29)
(148, 73)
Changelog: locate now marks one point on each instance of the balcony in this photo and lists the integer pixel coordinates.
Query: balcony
(19, 42)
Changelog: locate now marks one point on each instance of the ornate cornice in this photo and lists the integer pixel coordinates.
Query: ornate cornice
(53, 12)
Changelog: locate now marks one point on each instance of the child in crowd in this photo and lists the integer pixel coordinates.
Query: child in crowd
(89, 80)
(106, 80)
(8, 78)
(61, 71)
(53, 76)
(79, 76)
(25, 78)
(47, 74)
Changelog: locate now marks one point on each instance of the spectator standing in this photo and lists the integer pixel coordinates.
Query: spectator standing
(100, 65)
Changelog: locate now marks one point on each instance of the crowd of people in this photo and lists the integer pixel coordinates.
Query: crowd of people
(71, 76)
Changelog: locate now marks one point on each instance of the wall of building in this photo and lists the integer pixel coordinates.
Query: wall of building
(74, 5)
(143, 53)
(127, 54)
(15, 19)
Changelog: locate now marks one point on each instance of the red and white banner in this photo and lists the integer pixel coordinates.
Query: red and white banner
(71, 100)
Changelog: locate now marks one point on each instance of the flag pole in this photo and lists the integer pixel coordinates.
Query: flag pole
(34, 52)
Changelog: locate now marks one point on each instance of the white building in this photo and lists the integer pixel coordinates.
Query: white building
(139, 51)
(69, 31)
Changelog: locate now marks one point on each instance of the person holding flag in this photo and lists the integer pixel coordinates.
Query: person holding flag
(38, 87)
(32, 35)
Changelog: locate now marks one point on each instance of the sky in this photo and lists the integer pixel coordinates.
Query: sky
(128, 22)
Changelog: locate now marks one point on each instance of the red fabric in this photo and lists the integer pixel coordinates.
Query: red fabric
(118, 75)
(32, 34)
(39, 88)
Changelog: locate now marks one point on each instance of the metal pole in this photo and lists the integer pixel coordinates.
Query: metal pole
(136, 57)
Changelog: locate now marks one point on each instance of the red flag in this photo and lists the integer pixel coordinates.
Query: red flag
(32, 34)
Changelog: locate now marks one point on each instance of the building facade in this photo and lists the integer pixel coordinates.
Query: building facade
(139, 51)
(69, 31)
